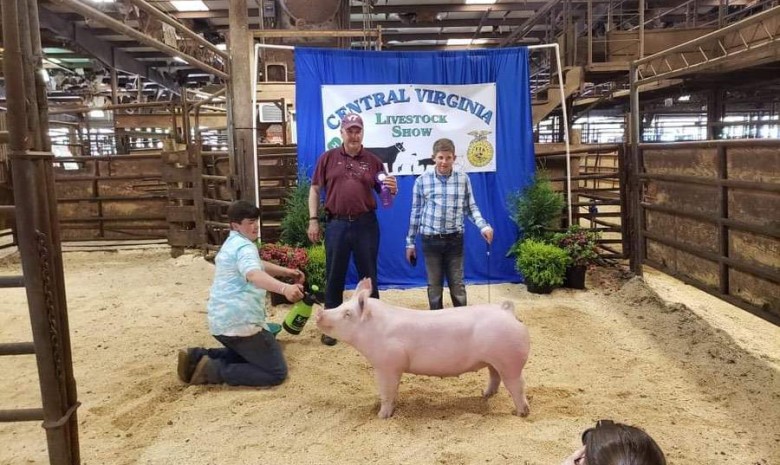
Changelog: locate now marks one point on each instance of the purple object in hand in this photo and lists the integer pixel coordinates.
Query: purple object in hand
(384, 194)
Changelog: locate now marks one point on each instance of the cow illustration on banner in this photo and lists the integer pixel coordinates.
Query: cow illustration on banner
(401, 122)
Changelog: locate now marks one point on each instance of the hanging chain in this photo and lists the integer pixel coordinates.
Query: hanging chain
(366, 24)
(48, 296)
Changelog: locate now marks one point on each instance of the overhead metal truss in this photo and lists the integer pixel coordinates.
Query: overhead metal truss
(756, 39)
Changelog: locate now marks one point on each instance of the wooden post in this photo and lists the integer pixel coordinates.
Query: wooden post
(715, 112)
(641, 28)
(636, 256)
(241, 124)
(723, 215)
(120, 139)
(590, 32)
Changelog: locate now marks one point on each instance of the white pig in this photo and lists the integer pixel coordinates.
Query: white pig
(437, 343)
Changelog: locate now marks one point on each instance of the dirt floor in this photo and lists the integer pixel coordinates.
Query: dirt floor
(699, 375)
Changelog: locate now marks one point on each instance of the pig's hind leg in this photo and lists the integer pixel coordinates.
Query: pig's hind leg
(516, 387)
(493, 382)
(388, 390)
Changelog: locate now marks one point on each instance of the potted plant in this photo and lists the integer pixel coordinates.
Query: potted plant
(580, 245)
(295, 222)
(542, 265)
(537, 208)
(315, 270)
(286, 256)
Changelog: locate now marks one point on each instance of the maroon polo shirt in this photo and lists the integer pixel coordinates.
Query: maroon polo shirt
(348, 181)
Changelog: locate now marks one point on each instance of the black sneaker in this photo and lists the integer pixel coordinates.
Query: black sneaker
(328, 341)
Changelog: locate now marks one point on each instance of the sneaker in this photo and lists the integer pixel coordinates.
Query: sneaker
(328, 341)
(188, 359)
(201, 373)
(275, 328)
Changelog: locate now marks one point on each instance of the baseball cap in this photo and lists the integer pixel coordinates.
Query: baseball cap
(351, 120)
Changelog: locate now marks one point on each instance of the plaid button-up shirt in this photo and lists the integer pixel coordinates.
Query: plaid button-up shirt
(439, 204)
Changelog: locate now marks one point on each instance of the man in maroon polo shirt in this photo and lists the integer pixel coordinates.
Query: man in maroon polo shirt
(348, 174)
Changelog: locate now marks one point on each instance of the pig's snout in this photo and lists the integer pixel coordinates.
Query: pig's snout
(319, 318)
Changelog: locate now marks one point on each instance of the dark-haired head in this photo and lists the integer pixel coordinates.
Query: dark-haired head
(618, 444)
(242, 210)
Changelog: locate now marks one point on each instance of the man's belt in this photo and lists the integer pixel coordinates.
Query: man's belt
(350, 218)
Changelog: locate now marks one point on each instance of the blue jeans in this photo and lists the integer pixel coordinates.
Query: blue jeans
(444, 256)
(255, 360)
(343, 239)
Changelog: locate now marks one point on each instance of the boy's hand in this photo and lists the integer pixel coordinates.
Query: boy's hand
(298, 276)
(487, 233)
(411, 256)
(293, 292)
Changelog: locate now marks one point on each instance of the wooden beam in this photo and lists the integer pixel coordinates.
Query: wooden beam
(295, 33)
(164, 121)
(121, 28)
(102, 51)
(451, 8)
(211, 14)
(396, 24)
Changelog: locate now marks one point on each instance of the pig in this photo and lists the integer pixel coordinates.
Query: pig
(441, 343)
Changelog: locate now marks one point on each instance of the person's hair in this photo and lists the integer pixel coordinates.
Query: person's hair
(618, 444)
(241, 210)
(443, 145)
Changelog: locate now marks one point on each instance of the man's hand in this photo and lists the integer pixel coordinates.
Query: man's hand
(314, 231)
(487, 233)
(411, 255)
(391, 183)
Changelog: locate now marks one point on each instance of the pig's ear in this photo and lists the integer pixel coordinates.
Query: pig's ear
(362, 297)
(364, 285)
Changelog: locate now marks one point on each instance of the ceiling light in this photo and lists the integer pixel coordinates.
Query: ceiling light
(480, 2)
(189, 5)
(458, 41)
(96, 113)
(684, 98)
(222, 47)
(180, 59)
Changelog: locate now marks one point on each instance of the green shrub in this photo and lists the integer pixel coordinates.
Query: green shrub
(315, 269)
(537, 208)
(295, 222)
(540, 263)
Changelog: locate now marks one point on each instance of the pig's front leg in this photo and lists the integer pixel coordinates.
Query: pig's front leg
(387, 380)
(493, 382)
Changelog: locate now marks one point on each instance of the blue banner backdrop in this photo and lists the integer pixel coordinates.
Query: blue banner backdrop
(508, 68)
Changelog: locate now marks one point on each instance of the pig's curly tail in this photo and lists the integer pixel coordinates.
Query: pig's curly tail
(508, 306)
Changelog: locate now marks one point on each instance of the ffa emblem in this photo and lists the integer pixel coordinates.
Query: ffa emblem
(480, 151)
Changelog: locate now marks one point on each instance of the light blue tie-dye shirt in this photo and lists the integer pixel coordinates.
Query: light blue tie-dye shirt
(235, 305)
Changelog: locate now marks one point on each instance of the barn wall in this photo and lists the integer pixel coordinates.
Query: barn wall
(121, 197)
(710, 216)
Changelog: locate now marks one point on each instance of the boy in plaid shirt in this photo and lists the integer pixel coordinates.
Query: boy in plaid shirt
(440, 199)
